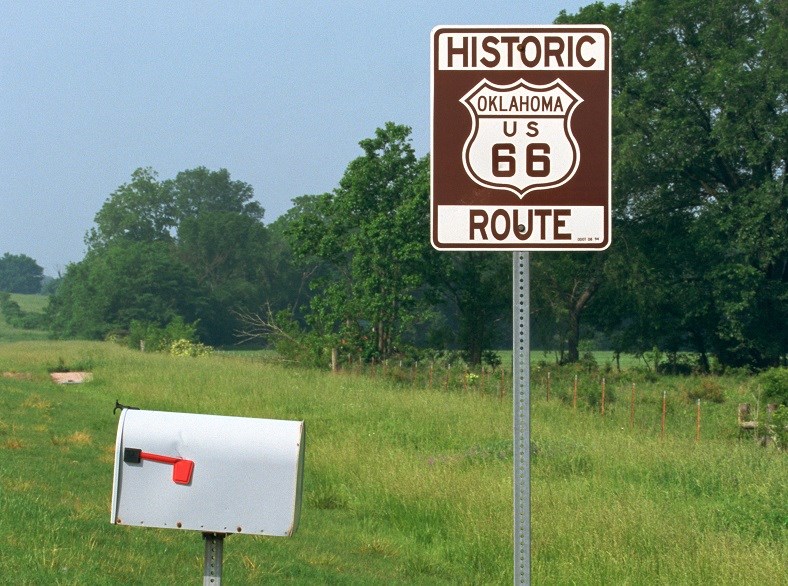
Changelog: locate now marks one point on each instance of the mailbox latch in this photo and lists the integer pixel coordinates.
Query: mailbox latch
(181, 468)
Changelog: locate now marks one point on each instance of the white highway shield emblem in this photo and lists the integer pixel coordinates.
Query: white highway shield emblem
(521, 138)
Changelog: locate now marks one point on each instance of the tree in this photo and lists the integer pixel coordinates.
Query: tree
(369, 233)
(563, 286)
(204, 220)
(699, 171)
(149, 210)
(289, 279)
(121, 283)
(139, 211)
(227, 255)
(479, 286)
(199, 191)
(20, 274)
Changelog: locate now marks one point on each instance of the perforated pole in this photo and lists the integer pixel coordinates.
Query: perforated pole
(212, 566)
(521, 392)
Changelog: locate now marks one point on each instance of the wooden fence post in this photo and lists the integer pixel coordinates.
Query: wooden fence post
(574, 395)
(664, 405)
(548, 385)
(603, 395)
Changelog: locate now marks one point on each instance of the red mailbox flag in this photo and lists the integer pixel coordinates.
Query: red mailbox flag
(181, 469)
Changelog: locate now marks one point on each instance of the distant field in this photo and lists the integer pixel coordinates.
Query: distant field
(29, 303)
(405, 482)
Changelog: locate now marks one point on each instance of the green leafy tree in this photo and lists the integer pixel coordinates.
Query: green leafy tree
(227, 254)
(122, 283)
(289, 279)
(701, 214)
(369, 233)
(206, 221)
(563, 286)
(139, 211)
(478, 285)
(199, 191)
(20, 274)
(149, 210)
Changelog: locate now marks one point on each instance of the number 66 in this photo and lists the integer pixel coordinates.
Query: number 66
(537, 161)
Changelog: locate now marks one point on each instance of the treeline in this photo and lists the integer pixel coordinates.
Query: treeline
(699, 260)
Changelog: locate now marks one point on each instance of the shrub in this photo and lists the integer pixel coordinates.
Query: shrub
(587, 358)
(184, 347)
(709, 389)
(492, 358)
(16, 318)
(774, 383)
(779, 427)
(593, 395)
(160, 339)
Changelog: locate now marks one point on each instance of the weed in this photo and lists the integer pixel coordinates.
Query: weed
(709, 389)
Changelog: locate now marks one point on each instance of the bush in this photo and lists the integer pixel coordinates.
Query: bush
(492, 358)
(160, 339)
(774, 383)
(708, 389)
(593, 395)
(188, 348)
(780, 427)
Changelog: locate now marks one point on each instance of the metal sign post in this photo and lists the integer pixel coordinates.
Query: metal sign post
(521, 397)
(520, 155)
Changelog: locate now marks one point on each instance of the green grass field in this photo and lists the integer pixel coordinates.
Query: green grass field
(31, 303)
(404, 484)
(27, 303)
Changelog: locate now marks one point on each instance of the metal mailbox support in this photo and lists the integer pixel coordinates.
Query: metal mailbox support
(212, 565)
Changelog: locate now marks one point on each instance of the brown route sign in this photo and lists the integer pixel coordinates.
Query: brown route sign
(521, 143)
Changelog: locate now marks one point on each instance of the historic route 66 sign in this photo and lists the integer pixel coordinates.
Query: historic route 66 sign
(521, 138)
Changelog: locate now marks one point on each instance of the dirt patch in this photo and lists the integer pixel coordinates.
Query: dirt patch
(70, 378)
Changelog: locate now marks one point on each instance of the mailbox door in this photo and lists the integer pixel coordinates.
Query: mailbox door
(245, 478)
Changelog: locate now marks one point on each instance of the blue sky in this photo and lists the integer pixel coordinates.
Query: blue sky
(278, 93)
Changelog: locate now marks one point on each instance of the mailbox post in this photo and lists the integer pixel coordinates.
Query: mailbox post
(212, 564)
(209, 473)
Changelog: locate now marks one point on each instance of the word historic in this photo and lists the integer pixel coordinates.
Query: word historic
(556, 51)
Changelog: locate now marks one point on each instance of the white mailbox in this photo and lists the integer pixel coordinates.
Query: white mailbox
(209, 473)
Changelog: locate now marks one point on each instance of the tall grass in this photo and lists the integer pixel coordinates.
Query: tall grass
(403, 484)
